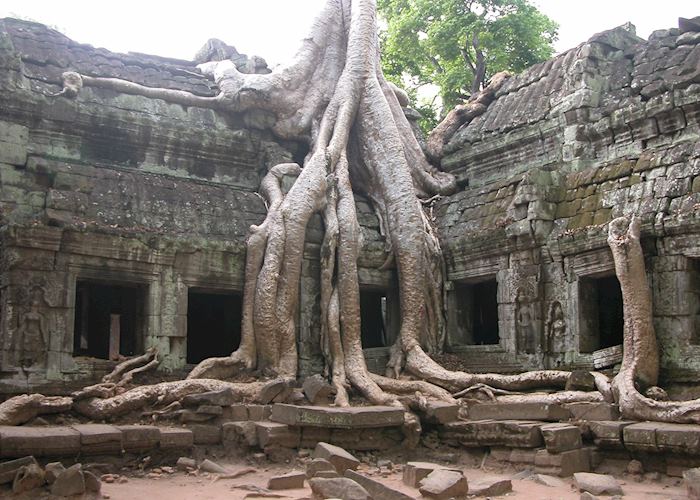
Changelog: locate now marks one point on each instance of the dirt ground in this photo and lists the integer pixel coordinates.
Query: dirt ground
(181, 485)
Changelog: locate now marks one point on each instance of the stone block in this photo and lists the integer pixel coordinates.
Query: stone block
(21, 441)
(205, 433)
(562, 464)
(561, 437)
(257, 413)
(593, 411)
(678, 438)
(319, 465)
(224, 397)
(640, 437)
(500, 453)
(519, 411)
(336, 417)
(13, 143)
(311, 436)
(440, 412)
(8, 469)
(139, 438)
(339, 488)
(235, 413)
(317, 389)
(608, 434)
(69, 482)
(236, 433)
(442, 484)
(490, 487)
(99, 439)
(276, 434)
(289, 481)
(597, 484)
(691, 478)
(175, 438)
(415, 472)
(341, 459)
(522, 456)
(375, 488)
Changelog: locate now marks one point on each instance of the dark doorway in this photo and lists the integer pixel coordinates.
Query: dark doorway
(213, 324)
(373, 315)
(109, 319)
(476, 321)
(601, 318)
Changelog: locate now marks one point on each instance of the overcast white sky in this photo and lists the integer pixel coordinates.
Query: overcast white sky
(272, 28)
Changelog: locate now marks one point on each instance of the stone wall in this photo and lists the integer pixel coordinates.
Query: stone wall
(608, 128)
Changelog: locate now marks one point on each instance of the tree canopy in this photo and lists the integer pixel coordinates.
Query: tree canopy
(458, 44)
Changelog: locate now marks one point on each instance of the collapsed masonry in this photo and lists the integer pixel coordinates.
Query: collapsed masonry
(124, 221)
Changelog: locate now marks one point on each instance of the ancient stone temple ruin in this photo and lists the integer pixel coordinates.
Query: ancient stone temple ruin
(123, 225)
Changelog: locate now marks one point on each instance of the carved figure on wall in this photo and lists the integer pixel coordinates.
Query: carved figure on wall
(527, 341)
(555, 332)
(32, 339)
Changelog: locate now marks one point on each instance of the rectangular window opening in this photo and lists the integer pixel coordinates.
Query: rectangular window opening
(109, 319)
(601, 317)
(213, 324)
(477, 313)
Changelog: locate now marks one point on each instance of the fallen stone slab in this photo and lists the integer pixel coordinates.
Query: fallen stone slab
(184, 463)
(691, 478)
(442, 484)
(21, 441)
(99, 439)
(317, 389)
(415, 472)
(327, 474)
(561, 437)
(290, 481)
(375, 488)
(224, 397)
(490, 487)
(519, 411)
(354, 417)
(139, 438)
(52, 470)
(341, 488)
(28, 478)
(210, 466)
(92, 482)
(275, 391)
(175, 438)
(547, 480)
(69, 482)
(8, 469)
(318, 465)
(341, 459)
(597, 484)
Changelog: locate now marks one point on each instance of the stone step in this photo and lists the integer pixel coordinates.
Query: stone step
(511, 433)
(519, 411)
(338, 418)
(661, 437)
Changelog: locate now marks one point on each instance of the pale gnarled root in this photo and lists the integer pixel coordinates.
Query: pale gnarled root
(163, 394)
(23, 408)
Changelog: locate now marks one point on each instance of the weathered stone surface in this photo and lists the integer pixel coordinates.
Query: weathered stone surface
(353, 417)
(442, 484)
(205, 433)
(551, 481)
(276, 391)
(317, 465)
(341, 488)
(175, 438)
(490, 487)
(415, 472)
(641, 436)
(52, 471)
(139, 438)
(289, 481)
(69, 482)
(511, 433)
(28, 478)
(376, 488)
(9, 468)
(341, 459)
(211, 466)
(99, 438)
(580, 380)
(597, 484)
(276, 434)
(608, 434)
(562, 464)
(244, 433)
(224, 397)
(38, 441)
(317, 390)
(92, 482)
(691, 478)
(678, 438)
(440, 412)
(257, 413)
(518, 411)
(184, 463)
(593, 411)
(561, 437)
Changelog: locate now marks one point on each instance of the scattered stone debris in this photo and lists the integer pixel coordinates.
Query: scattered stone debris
(289, 481)
(340, 458)
(340, 488)
(597, 484)
(490, 487)
(442, 484)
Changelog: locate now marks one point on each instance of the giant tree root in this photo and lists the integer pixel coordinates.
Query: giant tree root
(21, 409)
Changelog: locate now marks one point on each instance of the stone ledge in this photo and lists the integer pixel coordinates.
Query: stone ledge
(338, 418)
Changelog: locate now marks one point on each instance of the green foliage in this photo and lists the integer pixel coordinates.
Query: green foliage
(445, 42)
